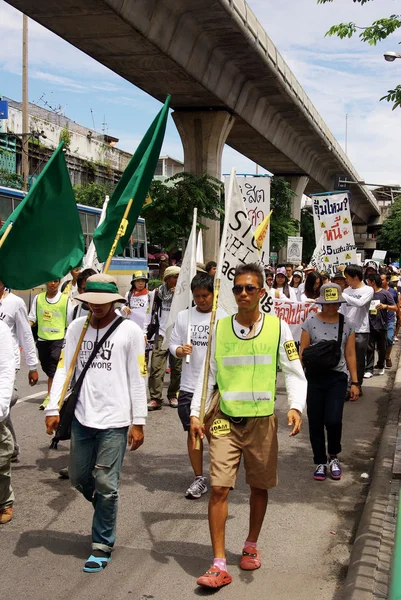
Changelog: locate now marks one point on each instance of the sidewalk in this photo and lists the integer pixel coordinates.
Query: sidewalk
(368, 576)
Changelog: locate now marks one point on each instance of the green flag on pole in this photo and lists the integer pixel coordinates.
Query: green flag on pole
(45, 241)
(134, 183)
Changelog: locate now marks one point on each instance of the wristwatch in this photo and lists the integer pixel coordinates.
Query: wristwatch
(355, 383)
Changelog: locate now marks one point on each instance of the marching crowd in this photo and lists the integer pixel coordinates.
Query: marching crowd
(125, 351)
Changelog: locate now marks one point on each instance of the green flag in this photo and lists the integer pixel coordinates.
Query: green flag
(134, 183)
(45, 241)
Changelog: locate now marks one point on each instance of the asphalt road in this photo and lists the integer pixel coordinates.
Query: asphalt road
(163, 539)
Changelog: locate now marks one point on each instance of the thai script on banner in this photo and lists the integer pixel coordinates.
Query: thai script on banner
(255, 192)
(293, 313)
(333, 230)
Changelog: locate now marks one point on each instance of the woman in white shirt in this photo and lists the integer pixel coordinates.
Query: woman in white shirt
(139, 301)
(281, 289)
(295, 283)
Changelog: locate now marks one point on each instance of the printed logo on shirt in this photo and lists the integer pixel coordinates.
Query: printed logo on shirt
(143, 367)
(199, 335)
(291, 350)
(102, 359)
(2, 316)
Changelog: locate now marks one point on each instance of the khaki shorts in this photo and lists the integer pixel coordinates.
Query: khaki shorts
(256, 441)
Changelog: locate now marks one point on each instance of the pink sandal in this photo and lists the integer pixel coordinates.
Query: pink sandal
(250, 559)
(214, 578)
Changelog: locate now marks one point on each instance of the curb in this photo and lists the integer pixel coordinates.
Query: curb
(366, 556)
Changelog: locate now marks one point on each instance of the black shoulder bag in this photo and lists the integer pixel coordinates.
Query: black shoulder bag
(324, 355)
(67, 409)
(153, 327)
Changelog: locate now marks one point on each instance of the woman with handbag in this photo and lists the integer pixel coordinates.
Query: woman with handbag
(328, 353)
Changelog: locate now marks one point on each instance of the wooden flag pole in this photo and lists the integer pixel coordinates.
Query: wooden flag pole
(207, 360)
(5, 234)
(217, 278)
(121, 231)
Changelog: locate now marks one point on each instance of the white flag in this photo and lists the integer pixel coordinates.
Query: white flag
(90, 259)
(199, 249)
(182, 296)
(238, 245)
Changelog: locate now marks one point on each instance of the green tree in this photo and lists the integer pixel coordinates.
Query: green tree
(308, 234)
(169, 216)
(93, 194)
(12, 180)
(389, 237)
(376, 32)
(281, 224)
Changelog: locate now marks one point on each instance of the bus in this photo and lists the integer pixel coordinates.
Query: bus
(133, 258)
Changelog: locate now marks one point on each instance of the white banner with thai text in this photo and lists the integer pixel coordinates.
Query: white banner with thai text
(293, 313)
(332, 219)
(255, 192)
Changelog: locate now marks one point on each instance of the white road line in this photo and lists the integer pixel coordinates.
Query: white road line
(37, 395)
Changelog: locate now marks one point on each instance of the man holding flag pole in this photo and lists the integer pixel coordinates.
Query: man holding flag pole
(109, 405)
(242, 360)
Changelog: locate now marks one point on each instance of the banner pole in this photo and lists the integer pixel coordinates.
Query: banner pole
(207, 360)
(5, 234)
(120, 232)
(193, 254)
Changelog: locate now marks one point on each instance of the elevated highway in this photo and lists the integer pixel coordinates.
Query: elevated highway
(228, 82)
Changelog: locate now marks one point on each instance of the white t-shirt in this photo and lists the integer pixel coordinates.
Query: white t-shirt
(13, 312)
(164, 314)
(278, 292)
(141, 307)
(295, 381)
(7, 370)
(200, 323)
(357, 308)
(113, 393)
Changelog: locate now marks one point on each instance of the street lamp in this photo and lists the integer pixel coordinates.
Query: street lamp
(391, 56)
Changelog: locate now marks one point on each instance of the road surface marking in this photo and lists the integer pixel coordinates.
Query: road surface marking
(37, 395)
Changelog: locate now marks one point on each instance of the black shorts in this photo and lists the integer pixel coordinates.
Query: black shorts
(49, 354)
(184, 408)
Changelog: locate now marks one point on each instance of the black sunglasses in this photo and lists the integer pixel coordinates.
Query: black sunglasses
(249, 289)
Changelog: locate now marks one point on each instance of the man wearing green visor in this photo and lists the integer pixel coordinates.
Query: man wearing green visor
(111, 407)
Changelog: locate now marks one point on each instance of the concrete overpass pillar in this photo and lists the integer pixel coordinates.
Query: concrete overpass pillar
(298, 185)
(203, 135)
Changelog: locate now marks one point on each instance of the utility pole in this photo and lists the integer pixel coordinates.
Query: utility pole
(25, 117)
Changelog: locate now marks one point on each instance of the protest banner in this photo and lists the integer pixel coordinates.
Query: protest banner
(239, 245)
(379, 256)
(255, 193)
(293, 313)
(294, 249)
(332, 218)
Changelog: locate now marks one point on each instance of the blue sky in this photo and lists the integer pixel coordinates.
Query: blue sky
(340, 76)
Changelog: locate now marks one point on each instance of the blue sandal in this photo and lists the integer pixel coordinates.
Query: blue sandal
(95, 564)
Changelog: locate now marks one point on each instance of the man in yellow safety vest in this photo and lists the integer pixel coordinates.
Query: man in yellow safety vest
(246, 351)
(49, 311)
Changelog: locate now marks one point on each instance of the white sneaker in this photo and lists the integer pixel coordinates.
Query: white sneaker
(396, 339)
(368, 375)
(381, 372)
(197, 488)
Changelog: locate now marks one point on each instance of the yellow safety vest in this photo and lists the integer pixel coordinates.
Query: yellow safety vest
(247, 369)
(51, 318)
